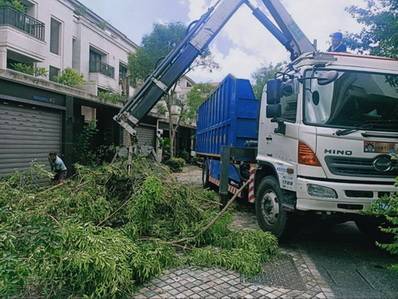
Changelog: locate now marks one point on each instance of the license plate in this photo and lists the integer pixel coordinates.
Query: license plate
(380, 147)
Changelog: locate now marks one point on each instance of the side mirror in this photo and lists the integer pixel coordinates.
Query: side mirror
(274, 110)
(327, 77)
(274, 91)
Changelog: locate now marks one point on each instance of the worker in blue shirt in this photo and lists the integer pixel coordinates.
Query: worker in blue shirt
(337, 45)
(57, 166)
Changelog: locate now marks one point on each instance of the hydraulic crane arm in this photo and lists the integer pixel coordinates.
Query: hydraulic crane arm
(175, 63)
(196, 40)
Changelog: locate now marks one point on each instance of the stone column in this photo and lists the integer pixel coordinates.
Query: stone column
(3, 58)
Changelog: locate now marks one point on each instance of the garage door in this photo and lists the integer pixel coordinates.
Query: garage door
(27, 133)
(146, 135)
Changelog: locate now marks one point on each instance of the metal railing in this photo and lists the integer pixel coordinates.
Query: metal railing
(102, 68)
(12, 17)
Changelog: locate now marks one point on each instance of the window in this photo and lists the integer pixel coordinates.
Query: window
(289, 107)
(97, 64)
(354, 100)
(95, 57)
(123, 80)
(53, 73)
(55, 36)
(122, 72)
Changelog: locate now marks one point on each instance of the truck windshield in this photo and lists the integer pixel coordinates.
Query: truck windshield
(353, 100)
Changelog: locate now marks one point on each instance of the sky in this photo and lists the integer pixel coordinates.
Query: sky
(243, 45)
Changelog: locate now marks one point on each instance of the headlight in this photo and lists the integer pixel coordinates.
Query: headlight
(321, 191)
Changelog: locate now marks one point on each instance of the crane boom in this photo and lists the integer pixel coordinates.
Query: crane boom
(197, 39)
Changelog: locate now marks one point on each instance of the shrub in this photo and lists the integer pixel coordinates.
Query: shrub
(196, 160)
(70, 77)
(184, 155)
(14, 4)
(175, 164)
(112, 96)
(388, 206)
(30, 69)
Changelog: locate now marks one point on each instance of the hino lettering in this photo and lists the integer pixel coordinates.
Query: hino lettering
(338, 152)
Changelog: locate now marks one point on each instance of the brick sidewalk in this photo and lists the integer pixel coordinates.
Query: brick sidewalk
(194, 282)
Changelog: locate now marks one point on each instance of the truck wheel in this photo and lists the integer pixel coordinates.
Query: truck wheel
(369, 226)
(205, 175)
(270, 214)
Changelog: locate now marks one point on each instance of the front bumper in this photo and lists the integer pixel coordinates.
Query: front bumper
(351, 198)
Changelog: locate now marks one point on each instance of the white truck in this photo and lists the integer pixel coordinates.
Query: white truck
(328, 150)
(326, 127)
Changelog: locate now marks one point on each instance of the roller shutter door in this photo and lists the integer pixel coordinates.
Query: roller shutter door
(27, 133)
(146, 135)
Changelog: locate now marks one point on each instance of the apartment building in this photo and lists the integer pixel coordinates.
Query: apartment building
(38, 115)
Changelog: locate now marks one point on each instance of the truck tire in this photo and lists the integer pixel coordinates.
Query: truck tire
(205, 176)
(269, 211)
(369, 226)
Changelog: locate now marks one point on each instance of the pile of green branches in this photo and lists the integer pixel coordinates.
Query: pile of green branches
(106, 231)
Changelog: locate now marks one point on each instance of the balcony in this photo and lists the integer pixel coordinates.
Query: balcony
(102, 68)
(11, 17)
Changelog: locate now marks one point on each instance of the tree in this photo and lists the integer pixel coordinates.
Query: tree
(263, 74)
(154, 47)
(380, 36)
(196, 96)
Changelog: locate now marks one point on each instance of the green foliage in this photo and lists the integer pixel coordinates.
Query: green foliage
(102, 25)
(161, 109)
(30, 69)
(154, 47)
(108, 230)
(184, 155)
(388, 206)
(70, 77)
(227, 248)
(380, 36)
(80, 10)
(263, 74)
(164, 144)
(175, 164)
(157, 45)
(196, 96)
(196, 160)
(83, 144)
(112, 96)
(14, 4)
(144, 208)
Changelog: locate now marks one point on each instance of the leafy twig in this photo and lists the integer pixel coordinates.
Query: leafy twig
(211, 223)
(54, 187)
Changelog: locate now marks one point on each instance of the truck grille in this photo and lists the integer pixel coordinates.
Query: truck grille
(359, 167)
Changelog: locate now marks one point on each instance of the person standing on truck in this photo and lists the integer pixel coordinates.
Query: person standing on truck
(58, 167)
(337, 45)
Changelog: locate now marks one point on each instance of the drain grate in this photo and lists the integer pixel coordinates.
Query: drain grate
(280, 272)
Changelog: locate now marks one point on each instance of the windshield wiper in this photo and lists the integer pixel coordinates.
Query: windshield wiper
(352, 130)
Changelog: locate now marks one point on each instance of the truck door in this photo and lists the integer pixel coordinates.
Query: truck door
(278, 140)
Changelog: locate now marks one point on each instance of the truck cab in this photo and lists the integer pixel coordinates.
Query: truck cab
(327, 127)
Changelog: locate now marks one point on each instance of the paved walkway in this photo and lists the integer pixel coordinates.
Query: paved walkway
(292, 276)
(196, 282)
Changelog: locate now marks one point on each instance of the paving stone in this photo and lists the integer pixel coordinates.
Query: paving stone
(204, 294)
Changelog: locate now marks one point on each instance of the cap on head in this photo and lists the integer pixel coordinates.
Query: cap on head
(337, 35)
